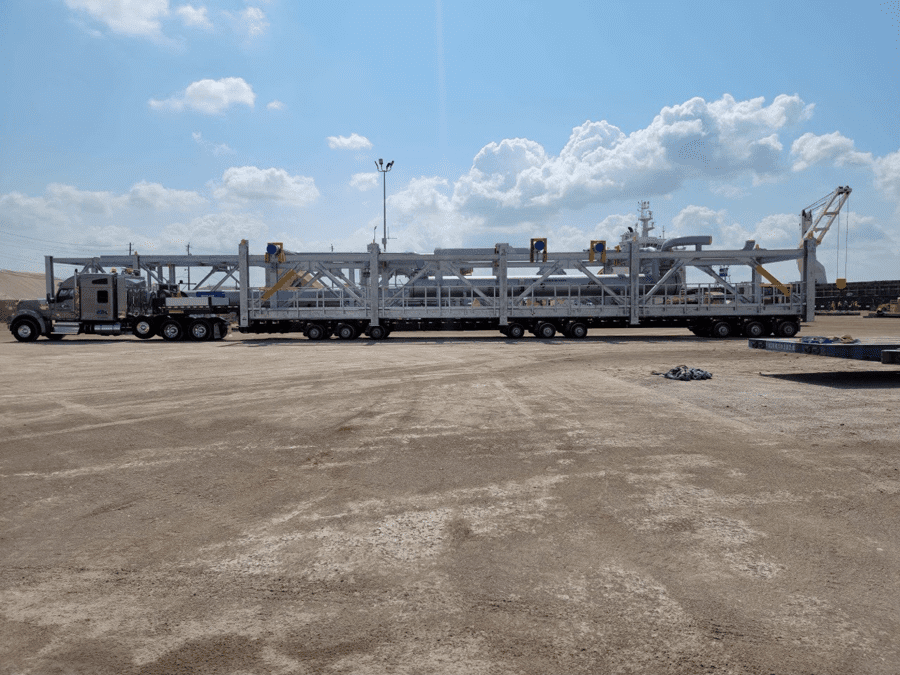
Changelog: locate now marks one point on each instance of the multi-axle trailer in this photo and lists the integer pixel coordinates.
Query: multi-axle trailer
(643, 281)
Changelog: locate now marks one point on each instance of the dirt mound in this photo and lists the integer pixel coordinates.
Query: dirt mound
(22, 285)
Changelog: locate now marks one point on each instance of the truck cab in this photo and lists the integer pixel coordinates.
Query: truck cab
(84, 303)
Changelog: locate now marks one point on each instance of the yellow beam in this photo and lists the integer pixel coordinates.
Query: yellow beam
(285, 279)
(786, 291)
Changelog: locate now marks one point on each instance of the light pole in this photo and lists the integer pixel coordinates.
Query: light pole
(383, 170)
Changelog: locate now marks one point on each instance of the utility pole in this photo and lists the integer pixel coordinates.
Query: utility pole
(382, 169)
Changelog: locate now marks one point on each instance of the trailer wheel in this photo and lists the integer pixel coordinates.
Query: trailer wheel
(546, 331)
(515, 331)
(788, 329)
(25, 330)
(578, 330)
(200, 330)
(754, 329)
(347, 332)
(721, 329)
(171, 330)
(378, 333)
(315, 332)
(143, 328)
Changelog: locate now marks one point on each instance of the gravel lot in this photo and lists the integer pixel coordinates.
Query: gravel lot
(448, 503)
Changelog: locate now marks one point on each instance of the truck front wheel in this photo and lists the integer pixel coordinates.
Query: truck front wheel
(25, 330)
(143, 328)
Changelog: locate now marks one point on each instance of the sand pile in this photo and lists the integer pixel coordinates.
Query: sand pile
(22, 285)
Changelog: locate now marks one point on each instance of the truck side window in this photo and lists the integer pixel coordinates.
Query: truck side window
(65, 294)
(102, 297)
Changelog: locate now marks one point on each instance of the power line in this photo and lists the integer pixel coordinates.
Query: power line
(61, 243)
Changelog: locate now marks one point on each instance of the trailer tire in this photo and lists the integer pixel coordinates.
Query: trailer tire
(788, 329)
(754, 329)
(577, 331)
(545, 331)
(199, 330)
(345, 331)
(515, 331)
(143, 328)
(25, 330)
(721, 330)
(378, 333)
(171, 330)
(315, 332)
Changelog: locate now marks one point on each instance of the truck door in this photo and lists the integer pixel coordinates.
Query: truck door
(97, 300)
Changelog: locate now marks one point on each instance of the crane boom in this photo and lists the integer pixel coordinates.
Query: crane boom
(816, 220)
(811, 225)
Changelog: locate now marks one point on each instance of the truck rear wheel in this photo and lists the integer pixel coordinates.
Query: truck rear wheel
(171, 330)
(25, 330)
(377, 333)
(143, 328)
(200, 330)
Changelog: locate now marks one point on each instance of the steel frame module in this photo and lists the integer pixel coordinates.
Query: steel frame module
(160, 269)
(369, 287)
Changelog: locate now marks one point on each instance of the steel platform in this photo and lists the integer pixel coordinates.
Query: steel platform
(883, 350)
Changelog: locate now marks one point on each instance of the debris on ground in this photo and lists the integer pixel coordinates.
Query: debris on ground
(685, 373)
(821, 340)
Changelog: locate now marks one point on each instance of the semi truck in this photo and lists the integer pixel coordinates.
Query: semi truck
(121, 303)
(642, 280)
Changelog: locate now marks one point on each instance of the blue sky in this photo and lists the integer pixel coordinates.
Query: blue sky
(161, 123)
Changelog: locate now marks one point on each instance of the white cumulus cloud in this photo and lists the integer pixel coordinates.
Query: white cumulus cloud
(351, 142)
(215, 232)
(254, 21)
(195, 17)
(364, 181)
(217, 149)
(887, 176)
(211, 97)
(833, 148)
(128, 17)
(276, 105)
(155, 196)
(696, 139)
(243, 183)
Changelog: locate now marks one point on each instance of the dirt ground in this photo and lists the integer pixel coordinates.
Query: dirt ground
(450, 503)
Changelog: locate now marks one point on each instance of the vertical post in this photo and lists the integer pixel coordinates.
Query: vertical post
(244, 282)
(634, 273)
(48, 276)
(501, 274)
(374, 290)
(384, 208)
(809, 278)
